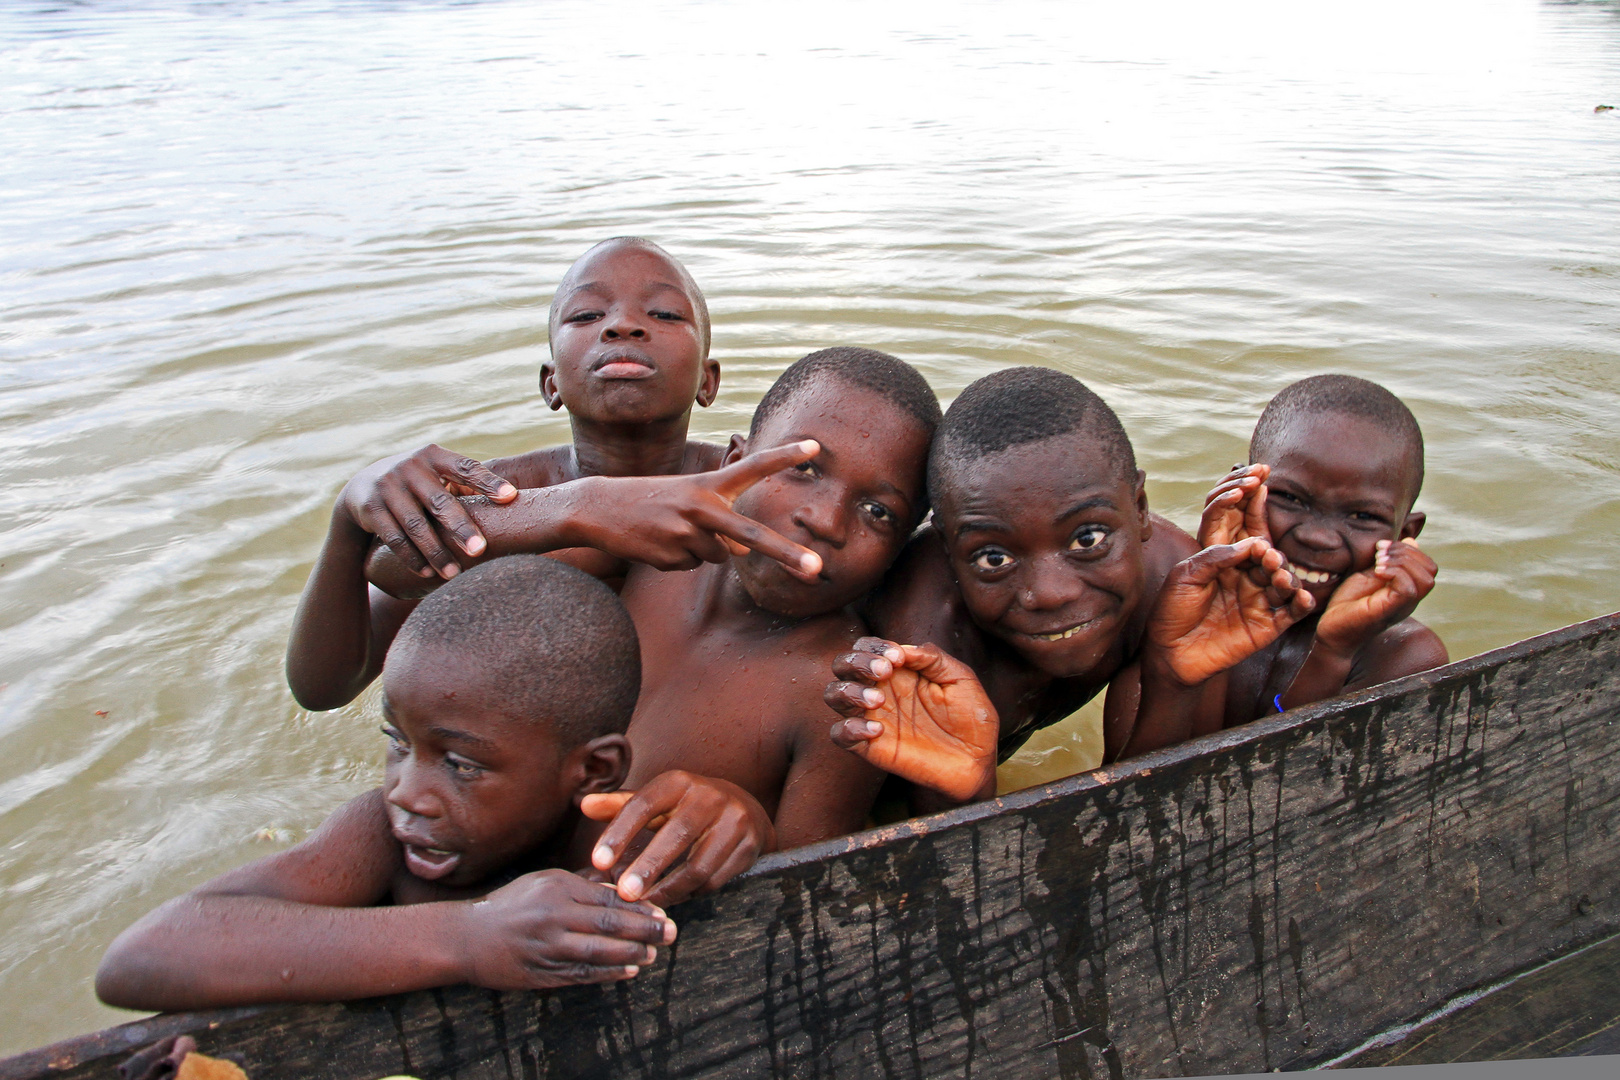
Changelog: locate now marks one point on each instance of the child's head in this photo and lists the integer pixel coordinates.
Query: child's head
(506, 696)
(857, 501)
(1042, 511)
(1346, 459)
(629, 337)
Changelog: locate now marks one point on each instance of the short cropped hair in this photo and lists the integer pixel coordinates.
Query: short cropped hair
(892, 378)
(1345, 395)
(700, 306)
(560, 642)
(1022, 405)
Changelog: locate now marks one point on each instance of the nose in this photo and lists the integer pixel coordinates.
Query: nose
(824, 516)
(1317, 535)
(408, 787)
(1049, 584)
(621, 324)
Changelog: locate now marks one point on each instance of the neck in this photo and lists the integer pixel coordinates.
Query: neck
(657, 448)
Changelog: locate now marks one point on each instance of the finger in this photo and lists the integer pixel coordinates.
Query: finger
(469, 473)
(636, 814)
(548, 974)
(866, 667)
(800, 561)
(418, 527)
(388, 532)
(935, 664)
(733, 547)
(600, 950)
(879, 647)
(851, 699)
(686, 824)
(709, 547)
(704, 860)
(603, 806)
(739, 476)
(855, 734)
(1232, 490)
(447, 511)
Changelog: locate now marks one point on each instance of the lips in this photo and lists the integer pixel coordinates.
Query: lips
(427, 862)
(1309, 576)
(622, 364)
(1062, 634)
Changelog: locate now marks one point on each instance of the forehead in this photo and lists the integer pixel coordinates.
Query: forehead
(1334, 451)
(618, 267)
(852, 423)
(1039, 478)
(429, 686)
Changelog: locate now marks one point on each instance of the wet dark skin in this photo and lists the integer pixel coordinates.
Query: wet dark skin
(447, 874)
(1334, 495)
(629, 358)
(1046, 577)
(734, 655)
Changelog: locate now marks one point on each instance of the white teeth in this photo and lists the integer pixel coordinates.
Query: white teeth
(1310, 577)
(1060, 635)
(437, 851)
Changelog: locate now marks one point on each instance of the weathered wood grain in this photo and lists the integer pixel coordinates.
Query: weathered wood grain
(1264, 898)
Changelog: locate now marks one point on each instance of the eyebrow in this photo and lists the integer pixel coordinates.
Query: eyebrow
(596, 287)
(1087, 504)
(453, 735)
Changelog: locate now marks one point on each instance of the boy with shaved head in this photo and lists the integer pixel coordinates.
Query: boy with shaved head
(1336, 463)
(1044, 579)
(629, 358)
(506, 697)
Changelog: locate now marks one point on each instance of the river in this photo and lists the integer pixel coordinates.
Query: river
(250, 247)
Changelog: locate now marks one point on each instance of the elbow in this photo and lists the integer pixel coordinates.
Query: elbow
(312, 693)
(128, 977)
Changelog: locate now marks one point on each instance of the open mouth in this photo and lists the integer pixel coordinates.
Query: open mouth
(1309, 577)
(1062, 635)
(430, 863)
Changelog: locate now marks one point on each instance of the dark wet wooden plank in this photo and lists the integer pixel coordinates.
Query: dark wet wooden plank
(1264, 898)
(1570, 1007)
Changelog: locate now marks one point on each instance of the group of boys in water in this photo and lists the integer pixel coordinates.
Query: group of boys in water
(610, 668)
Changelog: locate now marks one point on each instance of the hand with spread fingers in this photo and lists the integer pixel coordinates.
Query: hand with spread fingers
(409, 502)
(1235, 508)
(1366, 604)
(1222, 606)
(704, 832)
(919, 713)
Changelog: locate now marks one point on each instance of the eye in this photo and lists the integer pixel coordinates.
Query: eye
(1368, 519)
(880, 513)
(668, 316)
(807, 468)
(462, 768)
(1088, 538)
(1285, 498)
(992, 560)
(583, 317)
(396, 741)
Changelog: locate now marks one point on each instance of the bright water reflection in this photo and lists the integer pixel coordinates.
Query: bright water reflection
(251, 247)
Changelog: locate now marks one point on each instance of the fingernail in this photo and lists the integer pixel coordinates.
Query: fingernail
(475, 545)
(450, 571)
(874, 728)
(602, 857)
(631, 970)
(894, 656)
(652, 954)
(810, 562)
(872, 698)
(669, 932)
(810, 446)
(658, 911)
(882, 667)
(506, 491)
(631, 884)
(427, 571)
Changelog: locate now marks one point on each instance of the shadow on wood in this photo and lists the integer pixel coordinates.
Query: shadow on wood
(1268, 897)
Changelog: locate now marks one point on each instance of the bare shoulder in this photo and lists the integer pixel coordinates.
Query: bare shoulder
(350, 860)
(702, 457)
(1168, 545)
(535, 469)
(1406, 648)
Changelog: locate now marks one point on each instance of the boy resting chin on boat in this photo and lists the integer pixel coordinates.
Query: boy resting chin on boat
(507, 694)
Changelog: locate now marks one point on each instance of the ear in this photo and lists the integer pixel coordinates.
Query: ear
(709, 388)
(548, 385)
(600, 765)
(1412, 526)
(1140, 494)
(736, 450)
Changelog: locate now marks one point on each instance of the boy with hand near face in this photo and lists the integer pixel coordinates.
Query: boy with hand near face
(1042, 580)
(781, 542)
(506, 698)
(1336, 464)
(629, 358)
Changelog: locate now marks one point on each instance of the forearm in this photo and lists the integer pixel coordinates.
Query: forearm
(1169, 711)
(329, 654)
(1322, 676)
(211, 951)
(539, 520)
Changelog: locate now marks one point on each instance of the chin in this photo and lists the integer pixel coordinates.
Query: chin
(773, 589)
(1065, 659)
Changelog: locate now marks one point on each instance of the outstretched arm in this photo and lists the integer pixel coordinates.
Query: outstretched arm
(919, 713)
(667, 522)
(298, 926)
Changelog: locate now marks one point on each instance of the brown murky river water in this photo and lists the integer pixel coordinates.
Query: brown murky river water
(248, 248)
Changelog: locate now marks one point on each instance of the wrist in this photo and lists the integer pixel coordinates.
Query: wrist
(576, 525)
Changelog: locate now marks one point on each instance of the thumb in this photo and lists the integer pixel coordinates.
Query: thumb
(604, 806)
